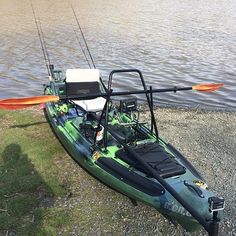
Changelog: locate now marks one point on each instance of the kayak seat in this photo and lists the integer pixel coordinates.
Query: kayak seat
(82, 82)
(156, 156)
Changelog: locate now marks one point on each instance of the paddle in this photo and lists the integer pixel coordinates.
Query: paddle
(19, 103)
(207, 87)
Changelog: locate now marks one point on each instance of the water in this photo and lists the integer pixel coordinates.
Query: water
(174, 43)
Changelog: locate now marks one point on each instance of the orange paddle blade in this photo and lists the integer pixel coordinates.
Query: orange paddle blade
(20, 103)
(30, 100)
(207, 87)
(13, 107)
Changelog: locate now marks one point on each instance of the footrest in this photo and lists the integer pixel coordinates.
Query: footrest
(156, 156)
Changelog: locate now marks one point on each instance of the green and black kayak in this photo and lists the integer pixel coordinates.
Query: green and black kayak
(110, 142)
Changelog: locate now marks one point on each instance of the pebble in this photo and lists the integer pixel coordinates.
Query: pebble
(206, 138)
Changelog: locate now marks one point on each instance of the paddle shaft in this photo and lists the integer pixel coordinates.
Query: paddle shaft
(113, 94)
(19, 102)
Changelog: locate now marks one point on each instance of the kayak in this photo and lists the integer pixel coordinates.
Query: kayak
(108, 139)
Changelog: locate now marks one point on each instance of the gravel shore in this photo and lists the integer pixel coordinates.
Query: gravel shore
(207, 138)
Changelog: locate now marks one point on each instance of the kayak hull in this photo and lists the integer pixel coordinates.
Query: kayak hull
(118, 177)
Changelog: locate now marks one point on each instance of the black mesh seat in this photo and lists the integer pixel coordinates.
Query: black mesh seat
(156, 156)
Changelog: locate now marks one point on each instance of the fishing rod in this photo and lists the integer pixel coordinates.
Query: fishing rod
(81, 47)
(81, 31)
(42, 42)
(44, 45)
(87, 47)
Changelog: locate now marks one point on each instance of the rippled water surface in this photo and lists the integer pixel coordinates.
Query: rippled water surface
(174, 43)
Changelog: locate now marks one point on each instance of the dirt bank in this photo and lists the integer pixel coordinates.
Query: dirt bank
(87, 207)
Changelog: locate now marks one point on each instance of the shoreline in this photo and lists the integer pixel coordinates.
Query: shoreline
(206, 138)
(189, 108)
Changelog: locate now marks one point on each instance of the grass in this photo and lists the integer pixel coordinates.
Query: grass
(28, 175)
(44, 192)
(36, 178)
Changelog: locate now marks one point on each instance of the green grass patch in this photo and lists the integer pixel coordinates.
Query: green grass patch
(50, 220)
(28, 175)
(44, 192)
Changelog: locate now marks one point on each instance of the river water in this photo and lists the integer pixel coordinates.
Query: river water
(174, 43)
